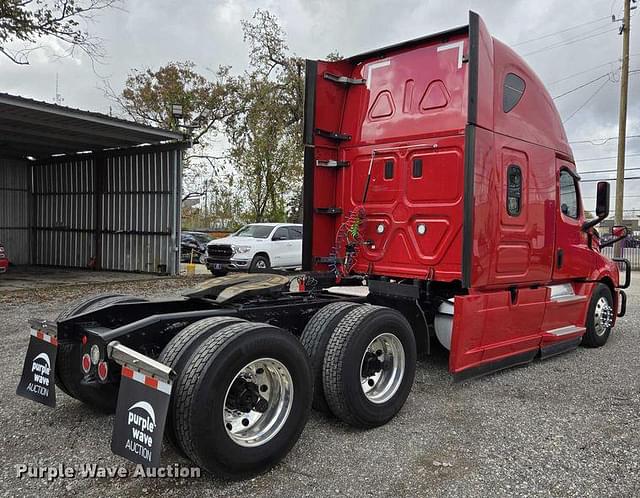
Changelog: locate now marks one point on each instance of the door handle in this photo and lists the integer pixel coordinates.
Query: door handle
(559, 258)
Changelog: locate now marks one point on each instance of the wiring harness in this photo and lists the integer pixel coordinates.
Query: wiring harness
(348, 243)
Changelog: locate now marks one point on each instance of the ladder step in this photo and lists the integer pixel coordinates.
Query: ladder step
(332, 135)
(328, 260)
(558, 347)
(569, 299)
(344, 80)
(330, 163)
(568, 330)
(329, 210)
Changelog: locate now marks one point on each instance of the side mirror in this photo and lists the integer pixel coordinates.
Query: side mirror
(602, 200)
(618, 233)
(282, 237)
(602, 205)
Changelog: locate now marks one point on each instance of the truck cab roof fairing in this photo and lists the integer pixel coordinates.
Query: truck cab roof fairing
(434, 105)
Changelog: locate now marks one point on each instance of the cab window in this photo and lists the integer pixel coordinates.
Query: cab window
(295, 233)
(281, 234)
(568, 195)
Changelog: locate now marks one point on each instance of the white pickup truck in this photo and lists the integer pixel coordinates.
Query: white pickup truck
(257, 247)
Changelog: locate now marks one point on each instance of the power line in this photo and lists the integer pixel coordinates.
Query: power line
(587, 101)
(582, 72)
(609, 179)
(561, 31)
(587, 70)
(603, 158)
(571, 41)
(582, 86)
(602, 141)
(595, 197)
(606, 171)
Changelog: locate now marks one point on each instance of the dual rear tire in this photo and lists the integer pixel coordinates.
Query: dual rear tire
(244, 390)
(242, 396)
(364, 359)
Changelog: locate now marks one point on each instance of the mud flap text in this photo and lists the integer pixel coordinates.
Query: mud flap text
(38, 380)
(140, 417)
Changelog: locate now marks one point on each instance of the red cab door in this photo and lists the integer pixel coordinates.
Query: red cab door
(573, 257)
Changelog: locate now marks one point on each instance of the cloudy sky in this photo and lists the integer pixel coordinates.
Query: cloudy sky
(584, 45)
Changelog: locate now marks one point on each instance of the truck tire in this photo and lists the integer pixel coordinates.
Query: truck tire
(233, 370)
(599, 317)
(259, 263)
(177, 353)
(68, 374)
(369, 366)
(315, 338)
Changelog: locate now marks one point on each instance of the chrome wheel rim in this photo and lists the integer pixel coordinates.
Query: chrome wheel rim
(382, 368)
(258, 402)
(261, 264)
(603, 316)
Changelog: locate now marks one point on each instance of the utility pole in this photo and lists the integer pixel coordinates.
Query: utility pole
(59, 99)
(622, 124)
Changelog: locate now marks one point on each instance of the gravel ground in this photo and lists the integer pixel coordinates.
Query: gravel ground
(568, 426)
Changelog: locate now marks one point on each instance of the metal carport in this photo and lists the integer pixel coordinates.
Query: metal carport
(84, 190)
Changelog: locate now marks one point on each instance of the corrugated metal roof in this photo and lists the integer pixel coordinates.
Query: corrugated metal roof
(33, 128)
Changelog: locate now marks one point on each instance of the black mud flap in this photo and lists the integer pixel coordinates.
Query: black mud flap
(141, 412)
(38, 379)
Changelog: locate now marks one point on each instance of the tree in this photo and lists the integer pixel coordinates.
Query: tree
(270, 60)
(148, 97)
(264, 151)
(29, 21)
(260, 113)
(265, 136)
(276, 92)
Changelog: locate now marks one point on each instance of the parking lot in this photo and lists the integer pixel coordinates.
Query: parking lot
(569, 426)
(40, 277)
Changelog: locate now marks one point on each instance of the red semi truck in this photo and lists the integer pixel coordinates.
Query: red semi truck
(442, 209)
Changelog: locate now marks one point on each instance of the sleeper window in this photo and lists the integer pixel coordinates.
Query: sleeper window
(388, 170)
(417, 168)
(512, 91)
(568, 195)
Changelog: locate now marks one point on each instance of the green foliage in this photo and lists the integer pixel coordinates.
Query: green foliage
(266, 136)
(259, 175)
(148, 96)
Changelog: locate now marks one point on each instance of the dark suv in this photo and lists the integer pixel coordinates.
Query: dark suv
(195, 242)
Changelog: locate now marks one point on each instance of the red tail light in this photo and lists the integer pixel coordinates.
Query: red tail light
(86, 363)
(103, 370)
